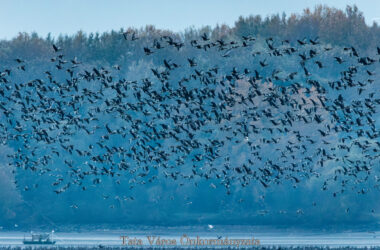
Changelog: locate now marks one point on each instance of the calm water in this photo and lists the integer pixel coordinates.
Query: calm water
(112, 238)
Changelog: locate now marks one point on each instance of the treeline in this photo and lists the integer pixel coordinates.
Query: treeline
(332, 26)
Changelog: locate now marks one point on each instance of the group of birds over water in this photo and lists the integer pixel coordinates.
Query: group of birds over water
(312, 116)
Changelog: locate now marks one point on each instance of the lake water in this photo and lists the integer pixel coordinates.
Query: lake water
(276, 238)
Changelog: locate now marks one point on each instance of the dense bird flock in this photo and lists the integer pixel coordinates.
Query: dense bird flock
(263, 124)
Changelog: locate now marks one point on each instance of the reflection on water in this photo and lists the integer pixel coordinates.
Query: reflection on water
(113, 238)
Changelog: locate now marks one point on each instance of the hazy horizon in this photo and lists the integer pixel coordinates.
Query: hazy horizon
(58, 18)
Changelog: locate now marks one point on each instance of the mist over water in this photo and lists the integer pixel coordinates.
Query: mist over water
(192, 237)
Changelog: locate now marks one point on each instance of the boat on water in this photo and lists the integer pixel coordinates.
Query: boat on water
(40, 239)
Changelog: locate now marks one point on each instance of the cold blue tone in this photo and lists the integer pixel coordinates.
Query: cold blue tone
(265, 123)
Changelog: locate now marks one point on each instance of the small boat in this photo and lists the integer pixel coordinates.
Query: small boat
(40, 239)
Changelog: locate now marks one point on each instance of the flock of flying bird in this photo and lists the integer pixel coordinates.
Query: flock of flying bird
(80, 124)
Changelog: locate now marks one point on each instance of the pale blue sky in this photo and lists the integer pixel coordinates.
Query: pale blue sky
(69, 16)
